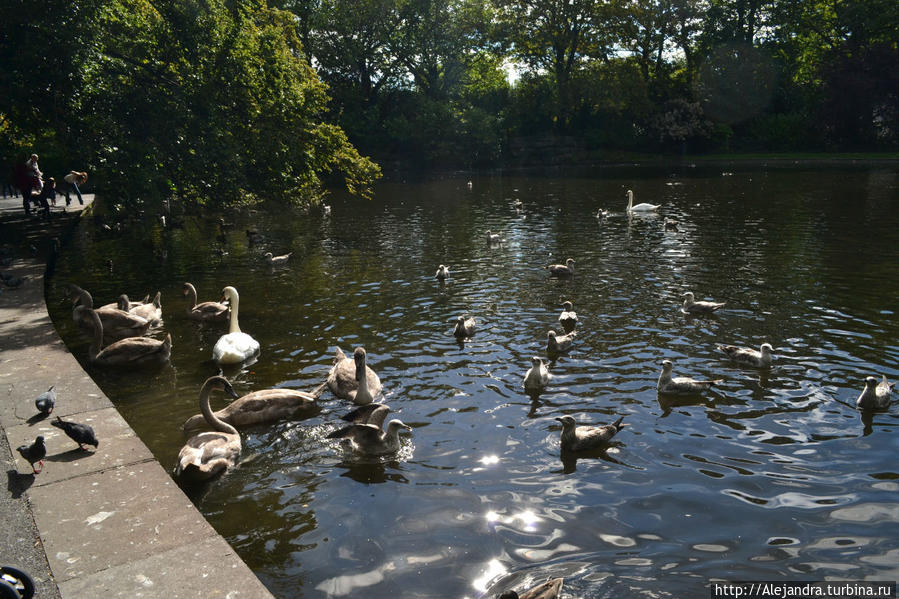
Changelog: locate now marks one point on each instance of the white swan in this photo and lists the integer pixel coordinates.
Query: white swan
(644, 207)
(234, 347)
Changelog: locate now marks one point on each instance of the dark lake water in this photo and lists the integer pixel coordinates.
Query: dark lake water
(773, 475)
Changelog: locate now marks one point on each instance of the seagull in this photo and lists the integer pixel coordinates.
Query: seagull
(875, 396)
(442, 273)
(465, 327)
(602, 213)
(373, 413)
(582, 438)
(82, 434)
(370, 439)
(561, 270)
(693, 307)
(537, 376)
(34, 453)
(277, 259)
(559, 343)
(493, 237)
(46, 400)
(760, 358)
(568, 317)
(681, 385)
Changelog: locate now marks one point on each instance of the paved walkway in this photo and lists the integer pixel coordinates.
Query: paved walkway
(104, 523)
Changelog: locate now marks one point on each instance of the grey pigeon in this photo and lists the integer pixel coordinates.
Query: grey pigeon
(34, 453)
(46, 400)
(82, 434)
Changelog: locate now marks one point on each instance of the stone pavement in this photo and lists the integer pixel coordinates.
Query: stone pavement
(108, 522)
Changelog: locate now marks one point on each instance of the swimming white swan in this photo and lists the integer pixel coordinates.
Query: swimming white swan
(210, 453)
(582, 438)
(234, 347)
(644, 207)
(760, 358)
(681, 385)
(537, 377)
(875, 396)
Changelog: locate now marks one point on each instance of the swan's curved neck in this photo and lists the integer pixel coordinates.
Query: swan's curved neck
(86, 300)
(191, 296)
(97, 343)
(362, 393)
(213, 420)
(233, 327)
(630, 199)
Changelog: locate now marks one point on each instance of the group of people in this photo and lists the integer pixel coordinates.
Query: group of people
(41, 191)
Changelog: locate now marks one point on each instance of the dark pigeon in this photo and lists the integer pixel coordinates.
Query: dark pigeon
(34, 453)
(82, 434)
(46, 401)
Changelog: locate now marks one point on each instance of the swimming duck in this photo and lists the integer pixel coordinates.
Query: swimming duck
(493, 237)
(583, 438)
(46, 400)
(559, 343)
(152, 310)
(131, 351)
(875, 396)
(117, 324)
(353, 379)
(82, 434)
(235, 346)
(465, 327)
(537, 377)
(442, 273)
(681, 385)
(760, 358)
(701, 307)
(34, 453)
(276, 260)
(370, 439)
(551, 589)
(210, 453)
(568, 317)
(639, 207)
(206, 311)
(373, 413)
(561, 270)
(601, 214)
(264, 405)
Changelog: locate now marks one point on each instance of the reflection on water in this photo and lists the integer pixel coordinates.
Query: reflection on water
(773, 474)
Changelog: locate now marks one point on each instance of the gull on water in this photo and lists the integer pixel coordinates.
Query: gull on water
(442, 273)
(568, 317)
(465, 327)
(691, 306)
(537, 376)
(746, 355)
(681, 385)
(875, 396)
(561, 270)
(556, 343)
(369, 439)
(582, 438)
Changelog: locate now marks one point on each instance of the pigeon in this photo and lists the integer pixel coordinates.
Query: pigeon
(82, 434)
(34, 453)
(46, 401)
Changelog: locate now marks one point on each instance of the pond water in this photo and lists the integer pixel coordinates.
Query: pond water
(773, 475)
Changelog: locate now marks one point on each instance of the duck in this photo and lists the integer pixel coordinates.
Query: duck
(117, 324)
(670, 224)
(537, 377)
(205, 311)
(556, 343)
(875, 396)
(46, 401)
(210, 453)
(583, 438)
(701, 307)
(442, 273)
(151, 310)
(277, 260)
(373, 413)
(34, 454)
(551, 589)
(131, 351)
(493, 237)
(262, 406)
(681, 385)
(369, 439)
(568, 317)
(760, 358)
(235, 346)
(644, 207)
(353, 379)
(465, 327)
(82, 434)
(602, 213)
(561, 270)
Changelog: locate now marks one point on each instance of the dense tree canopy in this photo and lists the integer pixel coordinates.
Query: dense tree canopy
(213, 100)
